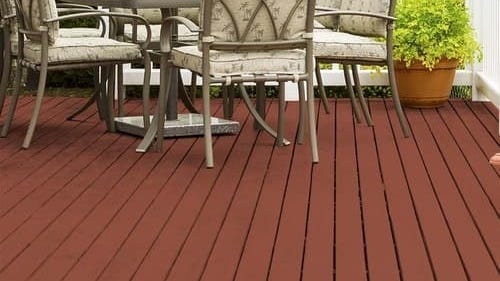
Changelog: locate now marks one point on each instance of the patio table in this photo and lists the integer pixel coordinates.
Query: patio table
(189, 124)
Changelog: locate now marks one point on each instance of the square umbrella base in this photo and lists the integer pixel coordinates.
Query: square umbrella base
(189, 124)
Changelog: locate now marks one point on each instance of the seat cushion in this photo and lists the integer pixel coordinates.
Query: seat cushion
(340, 45)
(87, 49)
(241, 63)
(184, 33)
(76, 32)
(64, 33)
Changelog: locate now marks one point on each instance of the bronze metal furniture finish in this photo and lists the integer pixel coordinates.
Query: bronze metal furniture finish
(9, 38)
(355, 43)
(45, 51)
(253, 33)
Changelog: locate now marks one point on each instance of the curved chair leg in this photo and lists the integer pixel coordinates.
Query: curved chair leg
(38, 103)
(281, 114)
(321, 88)
(228, 100)
(13, 103)
(312, 120)
(145, 89)
(110, 99)
(192, 90)
(100, 98)
(186, 99)
(260, 103)
(359, 91)
(209, 158)
(89, 102)
(165, 75)
(302, 110)
(395, 97)
(4, 82)
(121, 90)
(348, 84)
(225, 100)
(257, 116)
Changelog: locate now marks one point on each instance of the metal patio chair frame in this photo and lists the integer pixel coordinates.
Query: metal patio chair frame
(353, 62)
(105, 101)
(210, 42)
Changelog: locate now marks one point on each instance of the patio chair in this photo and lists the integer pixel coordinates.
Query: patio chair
(9, 36)
(357, 42)
(45, 50)
(246, 41)
(130, 30)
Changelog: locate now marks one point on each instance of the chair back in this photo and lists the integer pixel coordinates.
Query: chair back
(251, 21)
(331, 22)
(153, 16)
(8, 7)
(366, 25)
(32, 13)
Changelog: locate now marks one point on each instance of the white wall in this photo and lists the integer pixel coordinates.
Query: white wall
(486, 20)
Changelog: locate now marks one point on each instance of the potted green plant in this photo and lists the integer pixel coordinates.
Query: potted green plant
(431, 39)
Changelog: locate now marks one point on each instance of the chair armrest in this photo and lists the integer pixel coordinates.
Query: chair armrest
(111, 15)
(355, 13)
(74, 6)
(326, 9)
(166, 31)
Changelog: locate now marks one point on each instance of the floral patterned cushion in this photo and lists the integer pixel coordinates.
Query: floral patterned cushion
(364, 25)
(339, 45)
(34, 15)
(329, 21)
(262, 27)
(87, 49)
(241, 63)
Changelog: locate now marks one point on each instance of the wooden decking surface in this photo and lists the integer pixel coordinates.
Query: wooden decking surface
(81, 204)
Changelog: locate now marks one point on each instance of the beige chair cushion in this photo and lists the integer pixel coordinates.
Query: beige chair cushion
(241, 63)
(364, 25)
(153, 16)
(331, 22)
(76, 32)
(88, 49)
(64, 33)
(339, 45)
(223, 28)
(184, 33)
(35, 14)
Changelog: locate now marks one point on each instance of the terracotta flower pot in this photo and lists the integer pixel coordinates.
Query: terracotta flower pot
(418, 87)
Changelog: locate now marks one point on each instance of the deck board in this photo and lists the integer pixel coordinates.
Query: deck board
(81, 204)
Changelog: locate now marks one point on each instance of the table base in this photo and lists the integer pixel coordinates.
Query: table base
(190, 124)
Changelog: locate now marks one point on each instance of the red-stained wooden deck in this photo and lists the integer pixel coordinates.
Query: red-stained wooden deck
(80, 204)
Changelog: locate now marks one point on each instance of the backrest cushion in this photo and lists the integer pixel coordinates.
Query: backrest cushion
(9, 8)
(364, 25)
(329, 21)
(256, 20)
(35, 12)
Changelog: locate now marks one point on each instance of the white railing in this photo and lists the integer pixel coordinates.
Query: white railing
(484, 76)
(485, 17)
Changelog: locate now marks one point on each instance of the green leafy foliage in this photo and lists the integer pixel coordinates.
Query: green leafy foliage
(428, 30)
